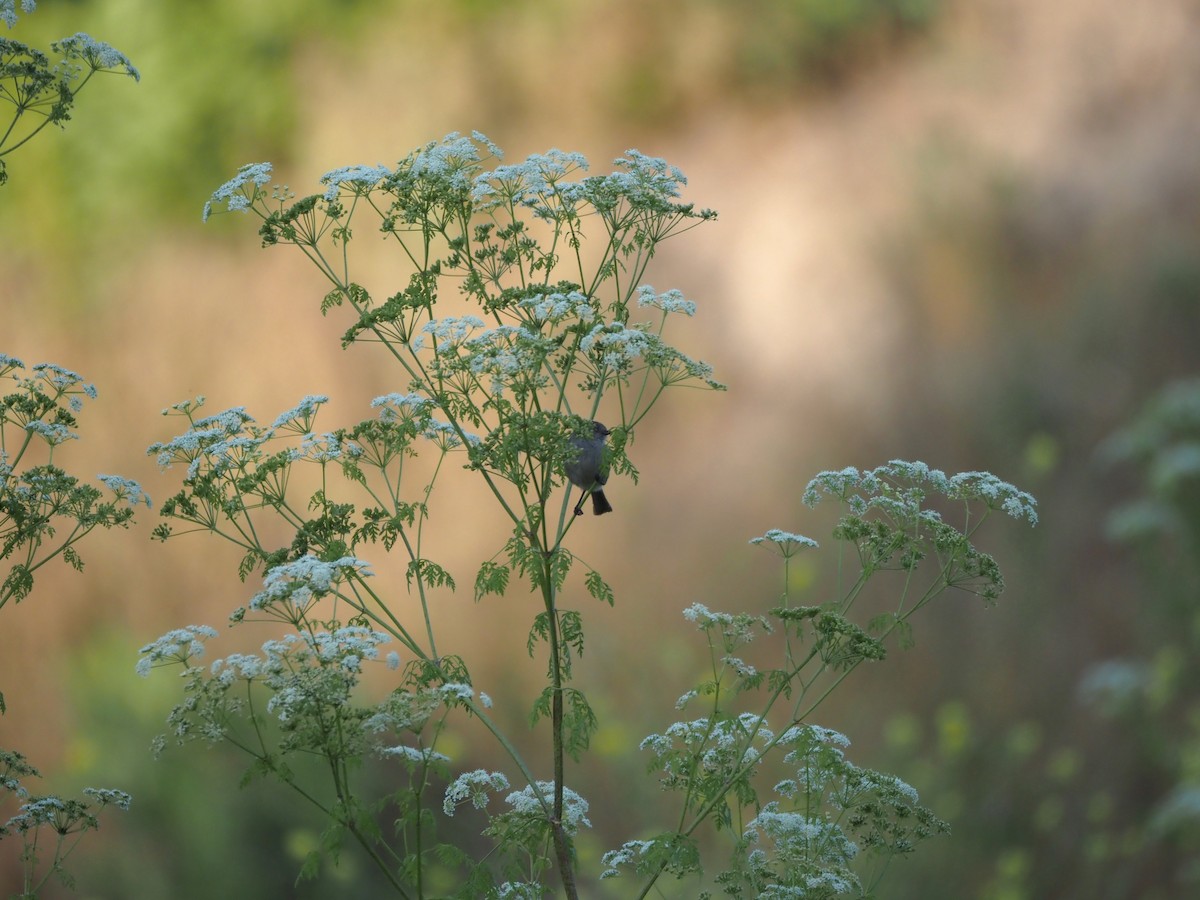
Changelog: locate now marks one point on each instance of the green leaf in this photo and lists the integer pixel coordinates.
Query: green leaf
(881, 623)
(538, 631)
(541, 706)
(491, 579)
(598, 587)
(72, 558)
(579, 722)
(429, 573)
(17, 585)
(311, 867)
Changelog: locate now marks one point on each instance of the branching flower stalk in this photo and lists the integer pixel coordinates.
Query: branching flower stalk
(554, 332)
(45, 511)
(42, 92)
(713, 761)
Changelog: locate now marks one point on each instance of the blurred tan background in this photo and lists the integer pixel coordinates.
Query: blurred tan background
(963, 231)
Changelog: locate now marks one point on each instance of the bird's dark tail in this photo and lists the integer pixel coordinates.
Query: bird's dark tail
(600, 504)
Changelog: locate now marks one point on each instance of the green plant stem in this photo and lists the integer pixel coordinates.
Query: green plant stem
(562, 849)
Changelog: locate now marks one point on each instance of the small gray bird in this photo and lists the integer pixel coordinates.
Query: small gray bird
(587, 470)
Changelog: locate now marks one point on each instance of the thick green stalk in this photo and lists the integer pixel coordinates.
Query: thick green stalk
(562, 848)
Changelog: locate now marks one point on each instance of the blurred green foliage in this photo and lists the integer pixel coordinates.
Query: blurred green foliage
(798, 43)
(224, 84)
(219, 84)
(680, 55)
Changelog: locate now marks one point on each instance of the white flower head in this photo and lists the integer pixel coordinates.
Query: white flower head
(299, 417)
(558, 307)
(786, 543)
(452, 330)
(53, 433)
(305, 579)
(476, 786)
(457, 692)
(63, 380)
(618, 347)
(413, 755)
(126, 489)
(327, 447)
(233, 192)
(96, 54)
(670, 302)
(179, 645)
(530, 803)
(358, 179)
(396, 406)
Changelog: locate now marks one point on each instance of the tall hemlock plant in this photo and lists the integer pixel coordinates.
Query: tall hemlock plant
(525, 317)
